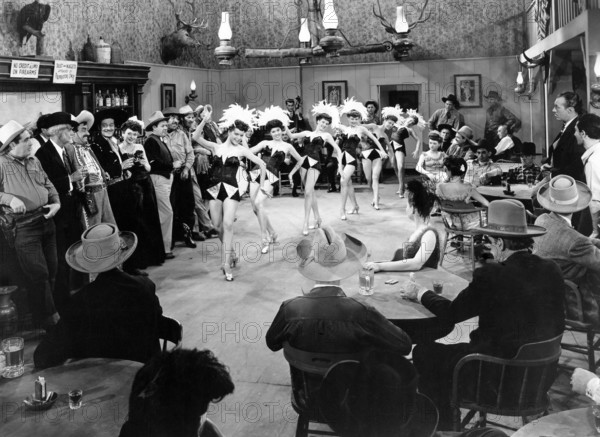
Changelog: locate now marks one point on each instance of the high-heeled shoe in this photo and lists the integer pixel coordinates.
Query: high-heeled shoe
(374, 205)
(228, 275)
(316, 225)
(354, 210)
(233, 259)
(305, 231)
(273, 238)
(343, 215)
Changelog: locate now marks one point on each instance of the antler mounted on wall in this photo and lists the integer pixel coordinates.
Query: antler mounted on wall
(173, 44)
(531, 64)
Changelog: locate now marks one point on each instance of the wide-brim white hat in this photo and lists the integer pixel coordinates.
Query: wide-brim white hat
(564, 195)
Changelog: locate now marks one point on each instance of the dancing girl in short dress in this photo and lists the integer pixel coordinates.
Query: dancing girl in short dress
(409, 125)
(223, 192)
(349, 142)
(274, 152)
(325, 115)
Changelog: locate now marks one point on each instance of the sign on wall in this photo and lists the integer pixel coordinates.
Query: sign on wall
(24, 69)
(65, 72)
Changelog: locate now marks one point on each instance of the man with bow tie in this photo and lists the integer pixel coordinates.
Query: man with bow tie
(93, 185)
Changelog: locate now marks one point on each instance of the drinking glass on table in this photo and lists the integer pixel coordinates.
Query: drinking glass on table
(366, 281)
(529, 180)
(75, 397)
(13, 349)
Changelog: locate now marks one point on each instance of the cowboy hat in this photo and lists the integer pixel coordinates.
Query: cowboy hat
(564, 195)
(118, 115)
(171, 110)
(42, 121)
(528, 149)
(60, 118)
(483, 143)
(155, 118)
(493, 95)
(84, 117)
(507, 218)
(466, 132)
(376, 396)
(453, 99)
(102, 248)
(186, 110)
(9, 132)
(374, 103)
(330, 256)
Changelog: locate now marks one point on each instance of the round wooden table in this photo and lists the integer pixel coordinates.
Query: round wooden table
(570, 423)
(388, 301)
(522, 192)
(106, 384)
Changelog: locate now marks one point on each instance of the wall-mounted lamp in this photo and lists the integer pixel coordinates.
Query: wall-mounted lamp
(192, 95)
(225, 52)
(520, 88)
(595, 88)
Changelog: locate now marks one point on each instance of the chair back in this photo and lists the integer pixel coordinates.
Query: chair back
(307, 370)
(509, 387)
(170, 330)
(461, 209)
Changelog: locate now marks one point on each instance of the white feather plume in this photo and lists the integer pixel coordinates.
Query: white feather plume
(351, 105)
(395, 111)
(236, 112)
(273, 113)
(323, 107)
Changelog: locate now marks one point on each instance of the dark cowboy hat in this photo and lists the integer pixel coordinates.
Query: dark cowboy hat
(118, 115)
(507, 218)
(362, 398)
(171, 110)
(42, 121)
(453, 99)
(493, 95)
(58, 118)
(483, 143)
(374, 103)
(528, 149)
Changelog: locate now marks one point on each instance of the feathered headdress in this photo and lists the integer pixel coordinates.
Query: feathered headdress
(236, 112)
(351, 105)
(411, 112)
(135, 120)
(323, 107)
(273, 113)
(395, 111)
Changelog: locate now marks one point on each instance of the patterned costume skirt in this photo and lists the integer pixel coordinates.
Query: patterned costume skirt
(371, 154)
(309, 163)
(348, 159)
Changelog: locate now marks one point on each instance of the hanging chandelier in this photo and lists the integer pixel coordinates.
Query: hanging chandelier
(319, 36)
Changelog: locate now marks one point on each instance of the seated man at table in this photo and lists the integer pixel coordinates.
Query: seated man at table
(577, 255)
(325, 319)
(519, 299)
(528, 170)
(115, 316)
(171, 394)
(482, 170)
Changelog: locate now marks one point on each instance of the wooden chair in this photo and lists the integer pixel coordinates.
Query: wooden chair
(573, 327)
(507, 387)
(170, 330)
(307, 370)
(462, 237)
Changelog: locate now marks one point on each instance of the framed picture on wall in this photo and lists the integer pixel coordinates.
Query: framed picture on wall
(167, 95)
(335, 92)
(467, 88)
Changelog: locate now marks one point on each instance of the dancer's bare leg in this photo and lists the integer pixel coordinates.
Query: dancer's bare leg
(377, 165)
(400, 162)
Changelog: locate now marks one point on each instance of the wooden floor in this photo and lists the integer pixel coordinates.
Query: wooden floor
(232, 318)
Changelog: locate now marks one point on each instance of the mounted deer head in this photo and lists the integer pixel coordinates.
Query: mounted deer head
(172, 45)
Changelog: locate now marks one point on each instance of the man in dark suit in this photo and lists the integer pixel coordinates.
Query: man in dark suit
(63, 174)
(116, 316)
(325, 319)
(41, 133)
(564, 154)
(518, 299)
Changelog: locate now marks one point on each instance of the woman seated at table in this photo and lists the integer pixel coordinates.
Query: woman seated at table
(457, 190)
(423, 246)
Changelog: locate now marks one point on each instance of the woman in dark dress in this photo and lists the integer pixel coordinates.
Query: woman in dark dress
(274, 152)
(313, 142)
(140, 199)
